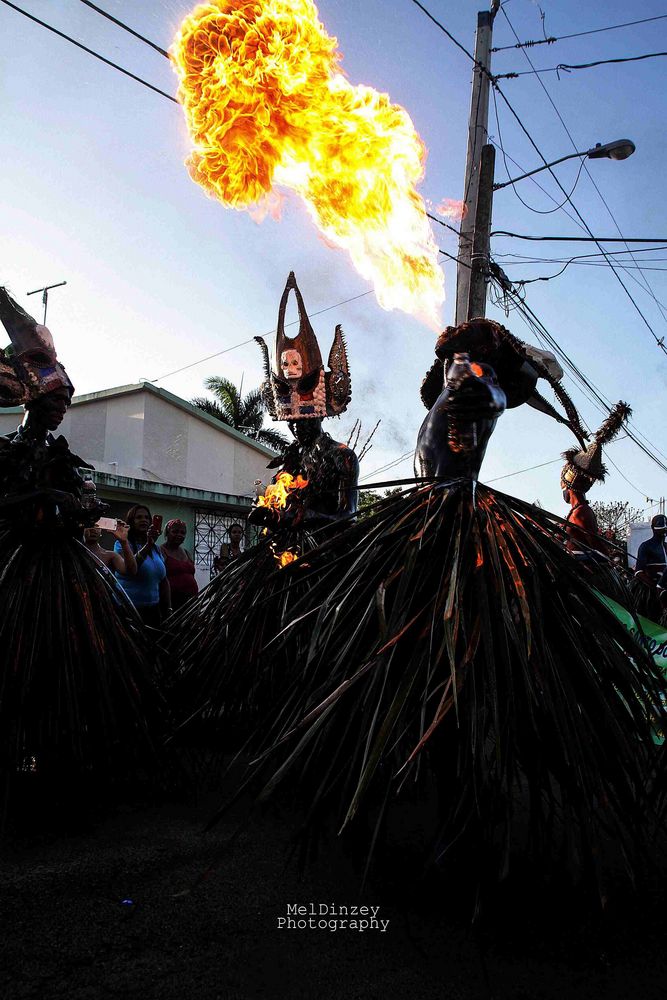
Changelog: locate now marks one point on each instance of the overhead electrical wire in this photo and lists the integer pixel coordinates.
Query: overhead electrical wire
(660, 341)
(595, 394)
(521, 305)
(568, 67)
(92, 52)
(644, 282)
(580, 239)
(538, 211)
(125, 27)
(577, 34)
(226, 350)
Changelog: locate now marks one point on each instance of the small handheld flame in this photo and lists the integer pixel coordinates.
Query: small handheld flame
(286, 557)
(276, 494)
(267, 104)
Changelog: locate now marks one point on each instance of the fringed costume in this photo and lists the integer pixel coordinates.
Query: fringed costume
(224, 677)
(455, 641)
(79, 698)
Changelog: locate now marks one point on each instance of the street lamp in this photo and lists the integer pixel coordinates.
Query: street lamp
(620, 149)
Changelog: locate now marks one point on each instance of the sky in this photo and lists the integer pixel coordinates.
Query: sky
(95, 192)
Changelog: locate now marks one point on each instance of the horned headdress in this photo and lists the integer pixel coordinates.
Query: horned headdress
(28, 367)
(298, 387)
(585, 467)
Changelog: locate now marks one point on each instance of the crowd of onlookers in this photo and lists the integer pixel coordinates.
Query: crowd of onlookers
(158, 577)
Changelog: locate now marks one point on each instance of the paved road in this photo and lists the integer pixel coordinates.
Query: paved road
(66, 931)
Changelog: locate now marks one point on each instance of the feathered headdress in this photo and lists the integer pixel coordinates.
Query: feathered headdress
(585, 467)
(298, 387)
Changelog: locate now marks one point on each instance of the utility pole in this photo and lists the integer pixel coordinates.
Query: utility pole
(477, 139)
(45, 295)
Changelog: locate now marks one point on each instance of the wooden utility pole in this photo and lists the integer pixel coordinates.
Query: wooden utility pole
(477, 139)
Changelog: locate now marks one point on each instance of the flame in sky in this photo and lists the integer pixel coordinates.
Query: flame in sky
(451, 208)
(266, 104)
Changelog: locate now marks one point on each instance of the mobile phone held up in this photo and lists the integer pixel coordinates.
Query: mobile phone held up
(157, 522)
(107, 523)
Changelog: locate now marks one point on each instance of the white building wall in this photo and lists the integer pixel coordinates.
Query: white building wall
(124, 437)
(142, 435)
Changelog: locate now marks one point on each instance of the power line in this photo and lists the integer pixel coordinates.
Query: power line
(441, 222)
(448, 33)
(506, 156)
(523, 259)
(91, 52)
(601, 401)
(126, 27)
(389, 465)
(519, 302)
(519, 472)
(538, 211)
(577, 34)
(659, 341)
(226, 350)
(568, 67)
(579, 239)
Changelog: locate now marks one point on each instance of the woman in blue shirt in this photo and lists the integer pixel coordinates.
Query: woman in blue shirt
(149, 589)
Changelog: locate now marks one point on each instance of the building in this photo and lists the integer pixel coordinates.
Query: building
(149, 446)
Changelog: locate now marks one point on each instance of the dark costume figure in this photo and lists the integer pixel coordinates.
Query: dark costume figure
(649, 585)
(583, 468)
(300, 391)
(218, 641)
(77, 678)
(454, 637)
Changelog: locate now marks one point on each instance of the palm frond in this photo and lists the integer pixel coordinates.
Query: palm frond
(212, 408)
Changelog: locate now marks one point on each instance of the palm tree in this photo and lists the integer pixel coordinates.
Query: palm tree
(244, 413)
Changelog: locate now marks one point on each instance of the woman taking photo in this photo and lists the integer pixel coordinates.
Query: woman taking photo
(149, 588)
(179, 564)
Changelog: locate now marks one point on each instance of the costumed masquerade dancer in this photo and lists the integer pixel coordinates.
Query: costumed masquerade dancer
(78, 696)
(218, 639)
(455, 640)
(582, 470)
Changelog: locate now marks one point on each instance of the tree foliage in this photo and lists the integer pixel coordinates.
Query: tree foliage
(368, 499)
(615, 516)
(243, 413)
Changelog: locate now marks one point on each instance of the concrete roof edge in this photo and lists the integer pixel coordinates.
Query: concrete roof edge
(170, 397)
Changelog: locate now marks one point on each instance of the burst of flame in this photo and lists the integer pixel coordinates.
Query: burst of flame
(276, 494)
(450, 208)
(286, 557)
(266, 103)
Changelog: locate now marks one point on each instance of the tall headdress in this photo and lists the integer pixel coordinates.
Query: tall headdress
(28, 367)
(518, 367)
(298, 387)
(585, 467)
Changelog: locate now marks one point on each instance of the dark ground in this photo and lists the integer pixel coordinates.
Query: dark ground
(65, 931)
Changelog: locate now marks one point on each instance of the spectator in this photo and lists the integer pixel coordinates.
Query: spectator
(149, 589)
(179, 564)
(122, 562)
(650, 576)
(652, 554)
(229, 550)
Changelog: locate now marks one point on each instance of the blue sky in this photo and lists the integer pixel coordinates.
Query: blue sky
(95, 192)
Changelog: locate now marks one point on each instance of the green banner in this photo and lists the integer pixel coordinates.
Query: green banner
(652, 637)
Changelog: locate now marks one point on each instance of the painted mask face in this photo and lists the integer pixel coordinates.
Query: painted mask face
(291, 364)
